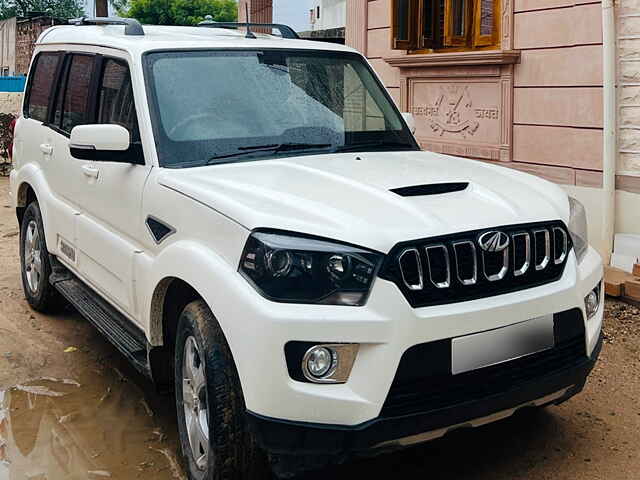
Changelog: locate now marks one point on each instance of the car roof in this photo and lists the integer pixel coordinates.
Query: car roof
(172, 38)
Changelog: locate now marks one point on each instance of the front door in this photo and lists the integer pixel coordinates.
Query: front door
(110, 226)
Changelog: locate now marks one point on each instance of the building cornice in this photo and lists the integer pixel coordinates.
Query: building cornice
(455, 59)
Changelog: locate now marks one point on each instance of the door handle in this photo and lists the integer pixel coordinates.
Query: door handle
(46, 148)
(90, 172)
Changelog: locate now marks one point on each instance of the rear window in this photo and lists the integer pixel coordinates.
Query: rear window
(76, 100)
(41, 85)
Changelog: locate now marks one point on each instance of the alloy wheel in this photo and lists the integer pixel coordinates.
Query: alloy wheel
(194, 396)
(33, 257)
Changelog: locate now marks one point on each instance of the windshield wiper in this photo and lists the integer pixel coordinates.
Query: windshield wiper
(275, 148)
(372, 145)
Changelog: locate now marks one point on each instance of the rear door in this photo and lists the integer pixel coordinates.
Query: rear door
(68, 176)
(35, 139)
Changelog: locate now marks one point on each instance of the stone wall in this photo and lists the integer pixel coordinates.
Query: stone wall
(628, 30)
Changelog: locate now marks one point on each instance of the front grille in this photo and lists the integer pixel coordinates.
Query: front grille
(455, 268)
(424, 382)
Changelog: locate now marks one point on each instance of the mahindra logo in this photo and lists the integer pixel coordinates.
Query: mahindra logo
(493, 241)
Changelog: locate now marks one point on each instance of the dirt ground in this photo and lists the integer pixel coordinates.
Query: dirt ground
(71, 408)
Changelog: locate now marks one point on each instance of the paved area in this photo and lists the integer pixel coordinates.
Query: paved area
(81, 412)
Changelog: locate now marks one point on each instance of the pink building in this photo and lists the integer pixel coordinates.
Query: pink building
(520, 82)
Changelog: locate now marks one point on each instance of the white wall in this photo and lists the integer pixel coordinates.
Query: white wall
(8, 45)
(333, 14)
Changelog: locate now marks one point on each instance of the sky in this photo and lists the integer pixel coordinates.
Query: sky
(294, 13)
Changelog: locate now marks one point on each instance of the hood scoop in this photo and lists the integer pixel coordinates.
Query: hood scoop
(430, 189)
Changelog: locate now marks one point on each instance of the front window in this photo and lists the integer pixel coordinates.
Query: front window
(211, 107)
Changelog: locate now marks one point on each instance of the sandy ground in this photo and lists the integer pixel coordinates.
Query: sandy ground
(85, 413)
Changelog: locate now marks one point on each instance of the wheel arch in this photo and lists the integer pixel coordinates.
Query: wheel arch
(25, 194)
(184, 271)
(170, 296)
(29, 184)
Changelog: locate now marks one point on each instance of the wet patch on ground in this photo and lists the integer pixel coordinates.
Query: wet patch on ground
(63, 429)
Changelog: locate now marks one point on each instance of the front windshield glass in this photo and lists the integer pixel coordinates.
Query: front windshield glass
(212, 107)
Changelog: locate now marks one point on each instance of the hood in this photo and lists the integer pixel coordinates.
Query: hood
(348, 197)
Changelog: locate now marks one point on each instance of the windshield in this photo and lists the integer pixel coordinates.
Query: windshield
(212, 107)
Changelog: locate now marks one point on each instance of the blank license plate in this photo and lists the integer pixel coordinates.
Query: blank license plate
(501, 345)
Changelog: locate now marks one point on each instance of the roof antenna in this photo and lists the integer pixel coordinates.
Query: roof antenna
(249, 32)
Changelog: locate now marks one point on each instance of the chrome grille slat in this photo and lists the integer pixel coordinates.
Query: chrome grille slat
(474, 278)
(502, 272)
(412, 286)
(454, 268)
(565, 245)
(445, 255)
(547, 248)
(527, 253)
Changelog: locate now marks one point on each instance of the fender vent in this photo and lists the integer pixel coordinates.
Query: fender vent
(431, 189)
(158, 229)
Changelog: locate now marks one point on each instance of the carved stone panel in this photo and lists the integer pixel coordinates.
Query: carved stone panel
(461, 115)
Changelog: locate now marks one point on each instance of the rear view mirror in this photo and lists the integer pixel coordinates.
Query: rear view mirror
(410, 121)
(102, 142)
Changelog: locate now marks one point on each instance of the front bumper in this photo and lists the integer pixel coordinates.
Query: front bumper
(383, 433)
(385, 329)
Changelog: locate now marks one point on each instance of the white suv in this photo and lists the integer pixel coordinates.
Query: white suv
(249, 219)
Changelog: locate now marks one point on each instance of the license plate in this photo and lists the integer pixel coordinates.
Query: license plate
(502, 344)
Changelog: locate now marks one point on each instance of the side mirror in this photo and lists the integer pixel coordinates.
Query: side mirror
(101, 142)
(411, 121)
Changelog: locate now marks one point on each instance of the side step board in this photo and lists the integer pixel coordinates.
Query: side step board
(127, 338)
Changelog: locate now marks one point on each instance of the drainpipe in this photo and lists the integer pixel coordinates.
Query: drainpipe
(609, 127)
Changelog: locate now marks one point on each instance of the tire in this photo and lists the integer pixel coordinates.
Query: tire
(208, 394)
(35, 264)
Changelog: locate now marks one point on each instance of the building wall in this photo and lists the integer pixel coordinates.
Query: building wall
(8, 46)
(628, 31)
(558, 90)
(534, 105)
(333, 14)
(27, 33)
(260, 11)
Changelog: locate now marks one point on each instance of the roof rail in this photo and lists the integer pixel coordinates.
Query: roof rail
(132, 26)
(285, 30)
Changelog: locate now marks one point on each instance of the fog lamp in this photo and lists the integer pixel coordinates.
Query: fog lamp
(592, 302)
(319, 360)
(327, 363)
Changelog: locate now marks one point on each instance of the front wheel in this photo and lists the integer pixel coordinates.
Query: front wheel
(215, 442)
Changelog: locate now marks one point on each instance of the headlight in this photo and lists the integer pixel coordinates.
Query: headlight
(578, 228)
(296, 269)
